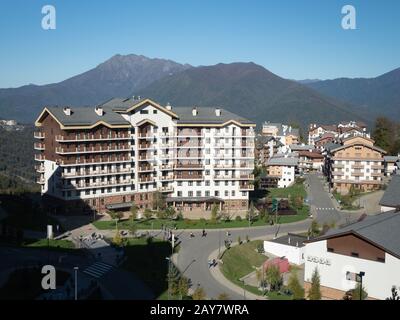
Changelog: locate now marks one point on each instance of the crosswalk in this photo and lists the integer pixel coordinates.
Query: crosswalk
(98, 269)
(326, 209)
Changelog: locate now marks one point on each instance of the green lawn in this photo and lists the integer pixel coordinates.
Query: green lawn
(148, 261)
(296, 190)
(239, 261)
(197, 224)
(44, 243)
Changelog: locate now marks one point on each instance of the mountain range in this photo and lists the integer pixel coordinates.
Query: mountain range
(244, 88)
(377, 96)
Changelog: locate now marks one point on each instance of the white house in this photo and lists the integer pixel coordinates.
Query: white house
(371, 246)
(290, 246)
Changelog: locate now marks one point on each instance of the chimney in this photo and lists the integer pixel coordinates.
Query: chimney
(218, 112)
(168, 107)
(99, 111)
(194, 111)
(67, 111)
(297, 244)
(289, 240)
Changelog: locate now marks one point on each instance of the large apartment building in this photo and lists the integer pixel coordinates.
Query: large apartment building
(127, 150)
(356, 162)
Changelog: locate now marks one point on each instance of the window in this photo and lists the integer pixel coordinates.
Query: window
(155, 111)
(331, 250)
(354, 254)
(207, 193)
(179, 193)
(179, 183)
(144, 111)
(207, 183)
(226, 193)
(190, 183)
(380, 259)
(190, 193)
(198, 183)
(198, 193)
(216, 193)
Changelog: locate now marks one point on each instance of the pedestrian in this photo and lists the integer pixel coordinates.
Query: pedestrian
(204, 233)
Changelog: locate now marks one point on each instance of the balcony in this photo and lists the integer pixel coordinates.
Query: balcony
(40, 181)
(166, 189)
(39, 168)
(146, 168)
(39, 157)
(189, 166)
(79, 138)
(39, 146)
(38, 135)
(89, 185)
(189, 134)
(146, 135)
(89, 173)
(358, 173)
(338, 173)
(146, 146)
(357, 166)
(377, 166)
(167, 177)
(246, 186)
(166, 167)
(167, 145)
(189, 177)
(60, 150)
(338, 166)
(147, 180)
(82, 162)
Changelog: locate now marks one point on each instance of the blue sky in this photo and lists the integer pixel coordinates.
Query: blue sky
(295, 39)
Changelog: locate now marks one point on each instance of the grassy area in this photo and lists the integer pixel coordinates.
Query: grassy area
(197, 223)
(44, 243)
(346, 201)
(296, 190)
(147, 261)
(26, 284)
(240, 260)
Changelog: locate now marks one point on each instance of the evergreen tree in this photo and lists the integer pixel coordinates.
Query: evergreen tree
(295, 287)
(315, 290)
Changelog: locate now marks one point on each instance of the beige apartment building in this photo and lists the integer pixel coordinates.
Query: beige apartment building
(355, 161)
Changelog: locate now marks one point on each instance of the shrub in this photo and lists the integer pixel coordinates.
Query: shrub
(238, 218)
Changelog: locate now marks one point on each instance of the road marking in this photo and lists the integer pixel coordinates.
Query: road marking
(98, 269)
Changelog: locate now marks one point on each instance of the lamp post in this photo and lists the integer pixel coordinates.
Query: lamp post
(360, 278)
(76, 282)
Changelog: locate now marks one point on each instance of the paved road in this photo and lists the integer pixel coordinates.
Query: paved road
(194, 253)
(320, 200)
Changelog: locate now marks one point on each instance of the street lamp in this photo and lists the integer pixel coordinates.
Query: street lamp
(244, 289)
(76, 282)
(359, 278)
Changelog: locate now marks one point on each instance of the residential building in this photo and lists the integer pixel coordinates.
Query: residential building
(390, 164)
(282, 168)
(354, 162)
(310, 160)
(371, 246)
(286, 134)
(267, 147)
(341, 130)
(290, 246)
(391, 197)
(127, 150)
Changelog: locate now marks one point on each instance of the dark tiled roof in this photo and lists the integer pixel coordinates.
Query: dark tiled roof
(291, 239)
(207, 115)
(86, 116)
(391, 197)
(381, 229)
(121, 103)
(391, 158)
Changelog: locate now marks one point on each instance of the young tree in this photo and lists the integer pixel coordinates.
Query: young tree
(251, 214)
(115, 215)
(355, 293)
(148, 214)
(223, 296)
(315, 290)
(169, 213)
(199, 294)
(183, 287)
(173, 280)
(117, 240)
(134, 211)
(273, 277)
(214, 213)
(314, 231)
(295, 286)
(383, 133)
(158, 201)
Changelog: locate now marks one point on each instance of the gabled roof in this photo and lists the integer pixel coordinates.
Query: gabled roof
(82, 117)
(340, 147)
(391, 158)
(381, 230)
(391, 197)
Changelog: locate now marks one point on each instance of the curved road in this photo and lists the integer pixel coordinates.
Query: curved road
(194, 253)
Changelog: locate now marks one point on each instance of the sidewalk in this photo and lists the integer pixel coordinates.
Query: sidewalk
(218, 276)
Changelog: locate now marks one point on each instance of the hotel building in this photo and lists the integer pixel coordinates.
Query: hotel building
(127, 150)
(356, 162)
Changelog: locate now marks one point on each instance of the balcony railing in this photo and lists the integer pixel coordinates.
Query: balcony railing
(40, 180)
(189, 177)
(77, 138)
(166, 189)
(94, 173)
(61, 150)
(246, 186)
(39, 168)
(146, 168)
(92, 162)
(38, 135)
(85, 185)
(168, 177)
(189, 166)
(39, 157)
(39, 146)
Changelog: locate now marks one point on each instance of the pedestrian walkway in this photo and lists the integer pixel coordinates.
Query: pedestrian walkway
(98, 269)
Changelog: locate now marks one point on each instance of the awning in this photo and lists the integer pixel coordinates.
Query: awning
(194, 199)
(121, 205)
